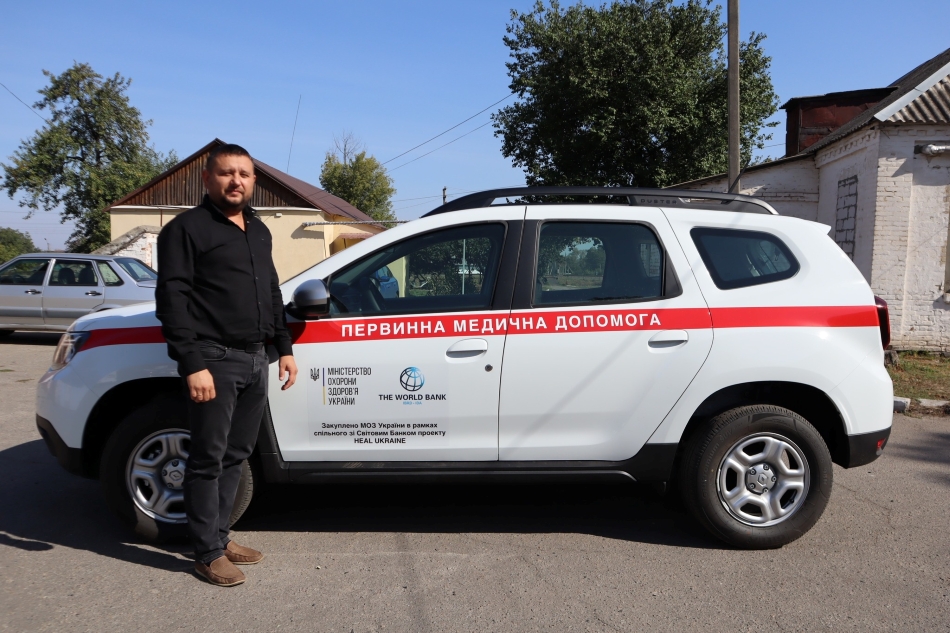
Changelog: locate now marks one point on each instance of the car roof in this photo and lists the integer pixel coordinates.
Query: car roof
(73, 256)
(634, 196)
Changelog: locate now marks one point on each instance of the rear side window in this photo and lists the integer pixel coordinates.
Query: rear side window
(71, 272)
(108, 275)
(137, 269)
(736, 259)
(597, 262)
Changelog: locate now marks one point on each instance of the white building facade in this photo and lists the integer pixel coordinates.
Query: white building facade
(882, 183)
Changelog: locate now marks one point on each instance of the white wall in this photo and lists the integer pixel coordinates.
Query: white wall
(902, 218)
(790, 187)
(853, 156)
(913, 213)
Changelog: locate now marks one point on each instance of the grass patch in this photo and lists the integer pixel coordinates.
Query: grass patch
(921, 375)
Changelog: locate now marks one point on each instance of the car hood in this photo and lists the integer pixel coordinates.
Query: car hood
(136, 315)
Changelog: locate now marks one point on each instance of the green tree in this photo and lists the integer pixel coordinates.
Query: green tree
(13, 243)
(629, 94)
(92, 151)
(357, 178)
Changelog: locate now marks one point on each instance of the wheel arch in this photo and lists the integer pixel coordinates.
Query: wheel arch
(811, 403)
(112, 408)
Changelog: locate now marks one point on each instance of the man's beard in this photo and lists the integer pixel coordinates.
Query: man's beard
(226, 205)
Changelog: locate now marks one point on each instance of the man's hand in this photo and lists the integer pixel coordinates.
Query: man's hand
(288, 367)
(201, 385)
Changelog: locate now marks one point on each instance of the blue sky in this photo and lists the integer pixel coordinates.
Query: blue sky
(394, 74)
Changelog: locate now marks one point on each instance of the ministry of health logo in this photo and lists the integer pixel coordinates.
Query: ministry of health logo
(411, 379)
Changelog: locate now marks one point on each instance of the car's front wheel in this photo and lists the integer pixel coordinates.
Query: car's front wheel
(143, 470)
(757, 477)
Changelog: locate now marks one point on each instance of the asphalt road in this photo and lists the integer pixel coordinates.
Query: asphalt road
(472, 558)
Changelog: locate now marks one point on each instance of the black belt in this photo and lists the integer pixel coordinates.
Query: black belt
(250, 348)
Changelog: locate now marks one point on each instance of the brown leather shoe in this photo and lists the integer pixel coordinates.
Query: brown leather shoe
(240, 555)
(220, 572)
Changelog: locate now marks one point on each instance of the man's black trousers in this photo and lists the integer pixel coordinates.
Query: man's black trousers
(223, 434)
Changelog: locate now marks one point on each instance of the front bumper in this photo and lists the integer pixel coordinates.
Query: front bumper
(68, 458)
(865, 448)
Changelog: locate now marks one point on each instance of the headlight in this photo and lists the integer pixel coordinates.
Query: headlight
(69, 345)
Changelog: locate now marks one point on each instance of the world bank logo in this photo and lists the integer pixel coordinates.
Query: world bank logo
(411, 379)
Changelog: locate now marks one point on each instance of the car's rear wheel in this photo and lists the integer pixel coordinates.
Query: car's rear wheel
(757, 477)
(143, 469)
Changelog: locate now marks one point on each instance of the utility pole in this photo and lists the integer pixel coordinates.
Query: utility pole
(443, 194)
(733, 92)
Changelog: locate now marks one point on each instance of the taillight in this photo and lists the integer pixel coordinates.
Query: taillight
(884, 321)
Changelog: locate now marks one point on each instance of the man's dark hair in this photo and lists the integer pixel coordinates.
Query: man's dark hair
(229, 149)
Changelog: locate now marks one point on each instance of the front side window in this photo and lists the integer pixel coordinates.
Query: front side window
(597, 262)
(109, 277)
(24, 272)
(449, 270)
(72, 272)
(736, 259)
(137, 269)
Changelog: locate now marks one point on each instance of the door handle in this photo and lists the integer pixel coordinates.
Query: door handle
(33, 291)
(94, 293)
(467, 348)
(669, 338)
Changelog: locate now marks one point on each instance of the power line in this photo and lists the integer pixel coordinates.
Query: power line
(435, 196)
(449, 130)
(293, 133)
(419, 204)
(440, 146)
(26, 104)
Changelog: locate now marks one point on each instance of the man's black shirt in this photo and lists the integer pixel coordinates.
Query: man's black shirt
(217, 283)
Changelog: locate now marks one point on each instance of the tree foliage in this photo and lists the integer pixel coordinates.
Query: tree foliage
(632, 93)
(349, 173)
(92, 151)
(13, 243)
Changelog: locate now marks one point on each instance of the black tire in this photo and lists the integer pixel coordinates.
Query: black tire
(164, 416)
(6, 333)
(704, 472)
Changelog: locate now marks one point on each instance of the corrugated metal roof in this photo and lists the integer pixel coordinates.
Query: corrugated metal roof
(932, 101)
(906, 86)
(933, 106)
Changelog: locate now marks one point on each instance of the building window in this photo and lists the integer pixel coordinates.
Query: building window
(845, 214)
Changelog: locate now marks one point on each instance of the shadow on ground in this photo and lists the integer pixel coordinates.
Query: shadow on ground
(31, 338)
(48, 507)
(932, 448)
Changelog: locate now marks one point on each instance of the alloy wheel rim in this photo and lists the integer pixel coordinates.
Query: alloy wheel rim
(763, 479)
(155, 475)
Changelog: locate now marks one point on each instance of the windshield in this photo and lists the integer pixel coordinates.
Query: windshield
(137, 269)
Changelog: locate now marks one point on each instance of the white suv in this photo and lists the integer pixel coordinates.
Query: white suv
(652, 335)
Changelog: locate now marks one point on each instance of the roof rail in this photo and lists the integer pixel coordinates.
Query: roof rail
(681, 198)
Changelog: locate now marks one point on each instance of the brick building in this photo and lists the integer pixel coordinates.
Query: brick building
(874, 165)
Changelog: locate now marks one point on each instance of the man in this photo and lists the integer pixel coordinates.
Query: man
(219, 302)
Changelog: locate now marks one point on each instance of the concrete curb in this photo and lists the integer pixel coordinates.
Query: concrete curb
(932, 404)
(901, 404)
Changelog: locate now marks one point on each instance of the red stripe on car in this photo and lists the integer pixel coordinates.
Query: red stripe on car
(536, 322)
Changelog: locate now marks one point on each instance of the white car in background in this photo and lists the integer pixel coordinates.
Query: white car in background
(654, 335)
(48, 291)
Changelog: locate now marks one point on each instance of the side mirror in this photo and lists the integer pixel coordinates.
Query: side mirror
(311, 300)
